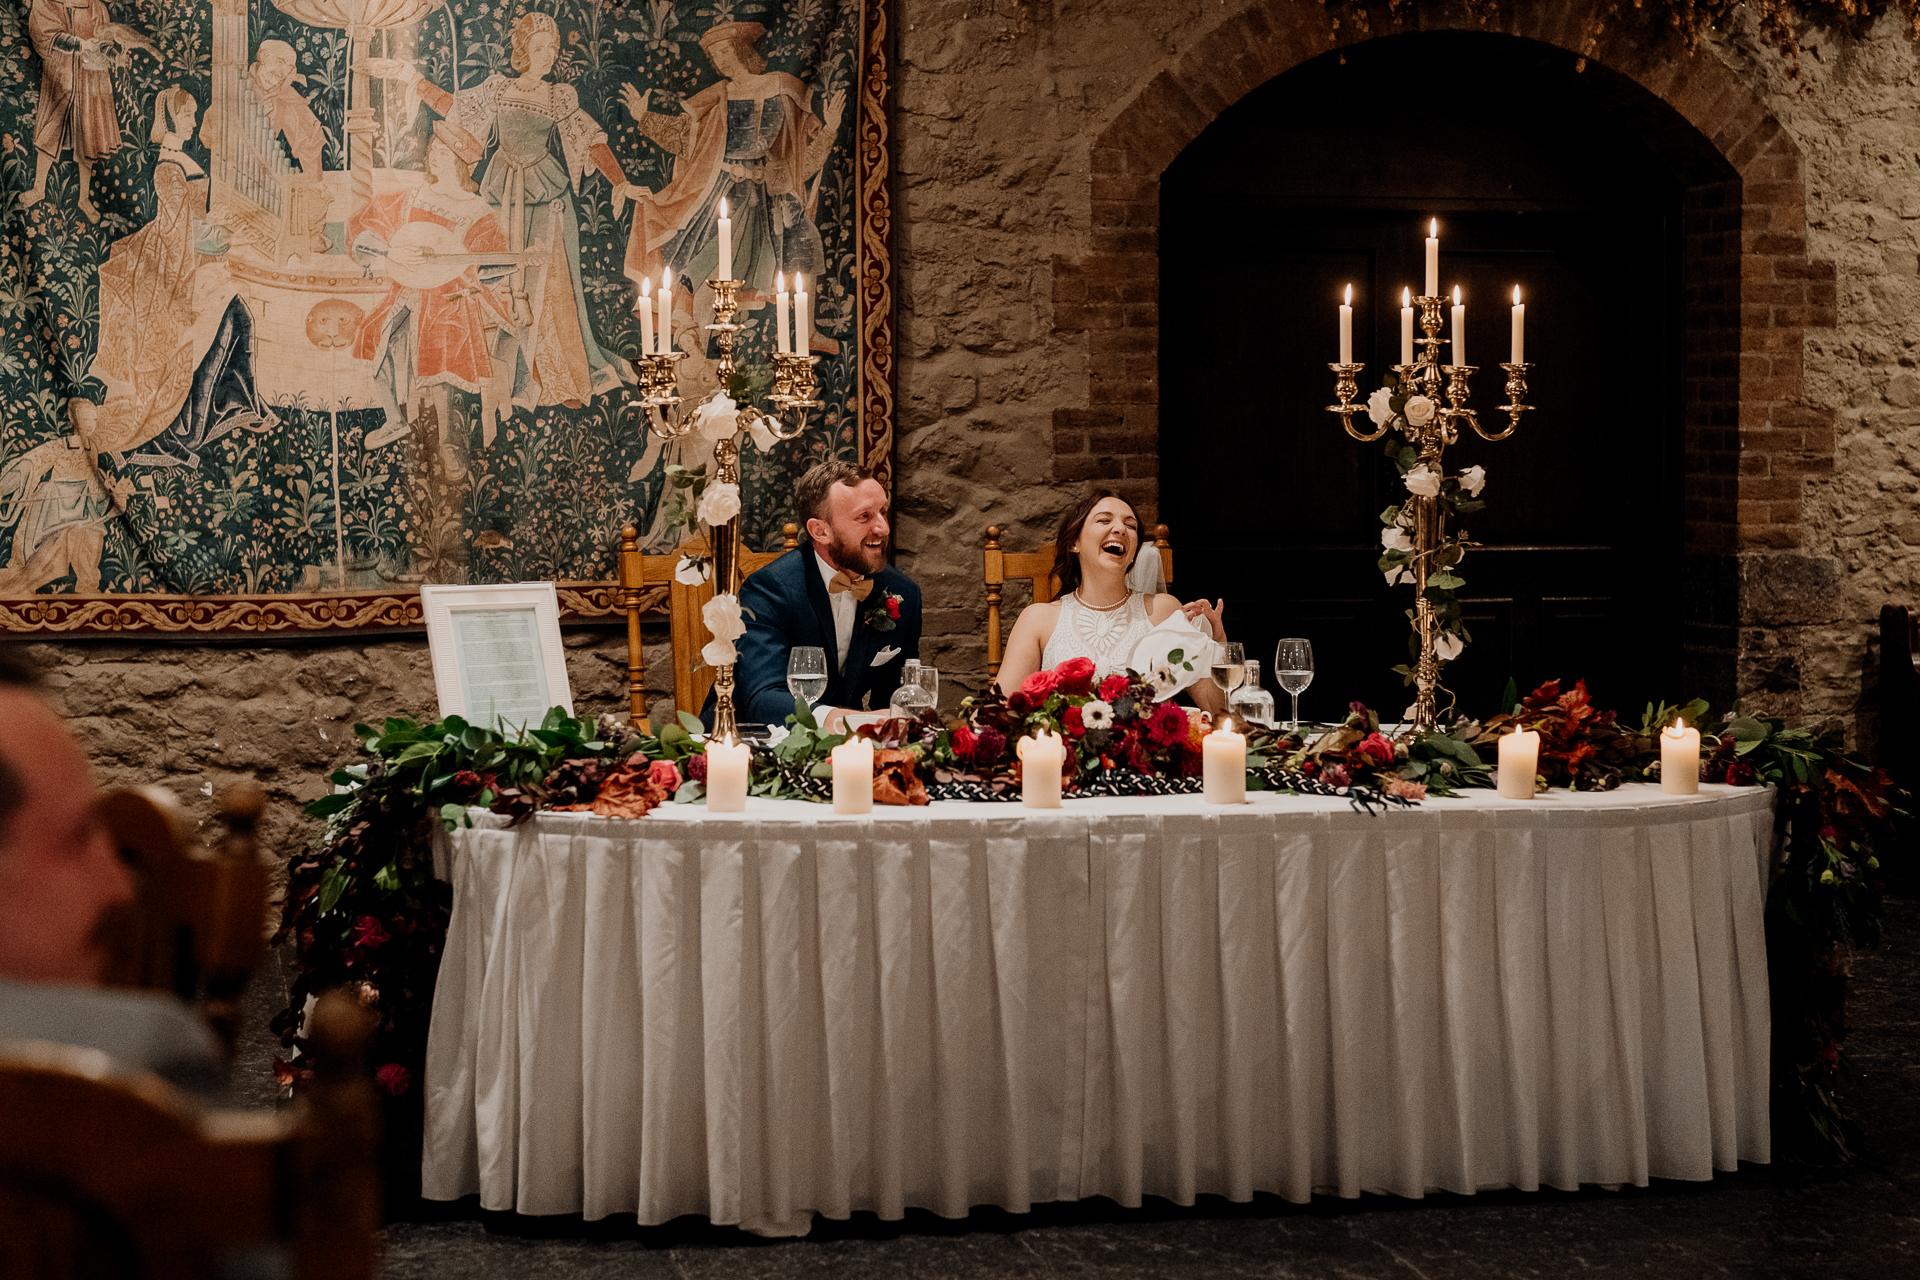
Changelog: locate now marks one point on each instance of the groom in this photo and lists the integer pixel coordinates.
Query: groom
(836, 592)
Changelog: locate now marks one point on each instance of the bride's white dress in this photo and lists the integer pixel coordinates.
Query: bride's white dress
(1108, 636)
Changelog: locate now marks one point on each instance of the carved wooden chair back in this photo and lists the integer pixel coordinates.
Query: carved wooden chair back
(197, 924)
(1036, 568)
(107, 1171)
(689, 631)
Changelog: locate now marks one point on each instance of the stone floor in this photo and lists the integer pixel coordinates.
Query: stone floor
(1859, 1220)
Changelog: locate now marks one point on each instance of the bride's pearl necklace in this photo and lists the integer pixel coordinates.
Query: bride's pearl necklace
(1102, 608)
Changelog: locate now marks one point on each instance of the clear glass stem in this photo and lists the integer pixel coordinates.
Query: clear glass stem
(1295, 725)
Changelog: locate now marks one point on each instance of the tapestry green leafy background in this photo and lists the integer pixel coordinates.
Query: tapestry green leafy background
(281, 472)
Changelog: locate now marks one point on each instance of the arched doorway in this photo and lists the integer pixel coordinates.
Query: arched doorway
(1542, 175)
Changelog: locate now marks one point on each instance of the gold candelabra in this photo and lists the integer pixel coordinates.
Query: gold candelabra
(1440, 427)
(794, 389)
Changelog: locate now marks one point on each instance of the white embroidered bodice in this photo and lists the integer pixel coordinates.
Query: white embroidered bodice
(1106, 636)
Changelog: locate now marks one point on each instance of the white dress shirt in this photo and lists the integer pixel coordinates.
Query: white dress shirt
(844, 608)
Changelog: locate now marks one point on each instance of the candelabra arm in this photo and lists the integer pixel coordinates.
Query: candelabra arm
(1345, 388)
(1516, 392)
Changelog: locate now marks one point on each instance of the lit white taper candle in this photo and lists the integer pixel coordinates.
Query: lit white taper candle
(644, 309)
(1433, 260)
(664, 339)
(1459, 329)
(1519, 328)
(726, 242)
(781, 342)
(802, 316)
(1406, 326)
(1346, 328)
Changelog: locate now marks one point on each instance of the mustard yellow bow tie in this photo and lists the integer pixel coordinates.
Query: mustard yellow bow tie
(861, 587)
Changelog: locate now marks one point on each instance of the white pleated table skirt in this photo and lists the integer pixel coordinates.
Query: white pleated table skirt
(756, 1017)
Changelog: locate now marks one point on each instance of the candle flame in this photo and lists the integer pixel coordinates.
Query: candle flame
(1349, 301)
(799, 283)
(666, 278)
(646, 287)
(779, 282)
(1456, 295)
(1433, 229)
(1677, 728)
(723, 206)
(1516, 295)
(1406, 297)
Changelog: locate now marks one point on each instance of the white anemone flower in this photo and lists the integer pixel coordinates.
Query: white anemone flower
(1447, 646)
(719, 504)
(1473, 480)
(1096, 714)
(1380, 407)
(1423, 481)
(722, 616)
(692, 570)
(1420, 410)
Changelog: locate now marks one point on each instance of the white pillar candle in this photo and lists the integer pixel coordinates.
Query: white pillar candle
(802, 316)
(644, 309)
(663, 341)
(1433, 260)
(1223, 765)
(1459, 329)
(727, 776)
(1519, 764)
(1346, 328)
(1519, 328)
(1680, 760)
(1406, 326)
(781, 342)
(853, 776)
(1042, 759)
(726, 243)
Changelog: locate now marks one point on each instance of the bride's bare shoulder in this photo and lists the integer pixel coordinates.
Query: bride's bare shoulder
(1162, 607)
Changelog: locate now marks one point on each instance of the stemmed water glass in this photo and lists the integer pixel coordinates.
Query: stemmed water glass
(1229, 670)
(1293, 667)
(807, 673)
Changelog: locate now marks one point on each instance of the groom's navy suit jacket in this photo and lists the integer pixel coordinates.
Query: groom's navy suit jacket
(785, 606)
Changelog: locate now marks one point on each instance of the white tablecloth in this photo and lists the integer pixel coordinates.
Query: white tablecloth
(754, 1017)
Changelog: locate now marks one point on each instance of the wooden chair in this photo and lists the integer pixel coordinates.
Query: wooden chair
(1035, 568)
(197, 925)
(1899, 708)
(684, 604)
(106, 1171)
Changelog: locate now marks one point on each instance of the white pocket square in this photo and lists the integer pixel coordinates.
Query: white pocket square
(886, 655)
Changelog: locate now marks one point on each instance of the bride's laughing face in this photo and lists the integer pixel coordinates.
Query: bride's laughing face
(1109, 538)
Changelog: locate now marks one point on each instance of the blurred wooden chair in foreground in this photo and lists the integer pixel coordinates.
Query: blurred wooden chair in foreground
(1036, 569)
(108, 1172)
(685, 602)
(197, 925)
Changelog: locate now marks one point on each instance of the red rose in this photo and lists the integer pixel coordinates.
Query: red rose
(893, 607)
(664, 774)
(1037, 686)
(1070, 721)
(1378, 747)
(1075, 675)
(963, 742)
(394, 1078)
(368, 934)
(1112, 687)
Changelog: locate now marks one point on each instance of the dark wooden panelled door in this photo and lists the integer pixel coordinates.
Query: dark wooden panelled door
(1321, 179)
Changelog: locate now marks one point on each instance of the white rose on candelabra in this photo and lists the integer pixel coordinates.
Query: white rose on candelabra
(1423, 481)
(1447, 646)
(1380, 407)
(722, 616)
(762, 434)
(718, 653)
(1398, 574)
(717, 419)
(692, 570)
(719, 504)
(1473, 480)
(1395, 539)
(1420, 410)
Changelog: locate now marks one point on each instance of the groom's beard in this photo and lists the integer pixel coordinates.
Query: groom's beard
(855, 557)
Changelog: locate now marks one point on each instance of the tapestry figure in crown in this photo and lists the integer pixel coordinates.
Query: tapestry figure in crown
(443, 250)
(752, 139)
(79, 45)
(539, 146)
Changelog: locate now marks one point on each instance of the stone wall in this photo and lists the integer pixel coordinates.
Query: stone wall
(1017, 373)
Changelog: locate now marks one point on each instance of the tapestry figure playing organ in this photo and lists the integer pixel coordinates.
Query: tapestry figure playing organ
(354, 217)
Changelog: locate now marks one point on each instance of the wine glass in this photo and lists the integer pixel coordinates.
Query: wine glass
(1229, 669)
(807, 673)
(1293, 668)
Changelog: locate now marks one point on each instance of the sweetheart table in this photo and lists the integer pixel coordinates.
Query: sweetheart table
(755, 1017)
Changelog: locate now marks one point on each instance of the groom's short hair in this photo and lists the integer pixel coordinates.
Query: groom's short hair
(810, 494)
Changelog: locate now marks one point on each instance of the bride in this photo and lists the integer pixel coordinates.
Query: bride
(1097, 615)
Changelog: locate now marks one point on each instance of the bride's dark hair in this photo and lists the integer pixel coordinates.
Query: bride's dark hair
(1066, 563)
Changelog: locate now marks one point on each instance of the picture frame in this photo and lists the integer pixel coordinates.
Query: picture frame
(497, 657)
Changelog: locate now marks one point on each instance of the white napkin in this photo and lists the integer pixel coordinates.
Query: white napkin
(1151, 655)
(886, 655)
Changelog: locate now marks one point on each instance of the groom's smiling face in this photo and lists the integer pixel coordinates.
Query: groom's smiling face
(853, 537)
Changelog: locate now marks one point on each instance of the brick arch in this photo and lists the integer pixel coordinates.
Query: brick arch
(1752, 437)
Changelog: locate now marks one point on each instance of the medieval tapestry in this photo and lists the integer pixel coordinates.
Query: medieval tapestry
(307, 302)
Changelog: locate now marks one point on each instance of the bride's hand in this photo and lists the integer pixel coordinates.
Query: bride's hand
(1197, 609)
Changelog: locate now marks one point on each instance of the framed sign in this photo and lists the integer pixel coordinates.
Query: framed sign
(309, 303)
(497, 657)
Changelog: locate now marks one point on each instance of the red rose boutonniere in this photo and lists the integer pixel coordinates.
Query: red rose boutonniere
(883, 611)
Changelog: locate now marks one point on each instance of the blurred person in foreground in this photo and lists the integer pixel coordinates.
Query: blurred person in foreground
(60, 878)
